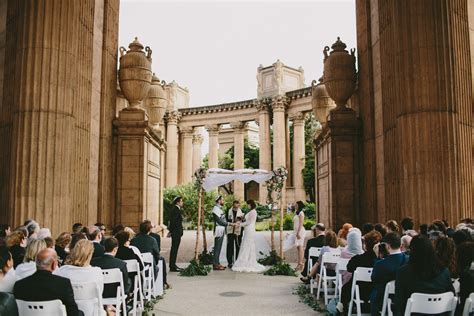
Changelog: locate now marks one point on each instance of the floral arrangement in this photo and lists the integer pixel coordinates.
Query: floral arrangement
(199, 176)
(275, 184)
(281, 268)
(271, 259)
(195, 268)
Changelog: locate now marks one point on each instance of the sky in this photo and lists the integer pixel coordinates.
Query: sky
(214, 48)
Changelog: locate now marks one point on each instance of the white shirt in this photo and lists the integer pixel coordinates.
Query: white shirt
(25, 269)
(8, 281)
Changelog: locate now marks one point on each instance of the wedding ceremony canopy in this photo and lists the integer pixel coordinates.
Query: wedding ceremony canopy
(217, 177)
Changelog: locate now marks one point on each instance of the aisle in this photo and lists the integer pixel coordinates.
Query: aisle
(231, 293)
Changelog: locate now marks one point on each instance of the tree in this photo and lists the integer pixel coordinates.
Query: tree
(310, 127)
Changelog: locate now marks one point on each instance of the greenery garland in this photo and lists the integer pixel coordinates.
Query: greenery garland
(206, 258)
(150, 305)
(195, 268)
(309, 299)
(271, 259)
(281, 268)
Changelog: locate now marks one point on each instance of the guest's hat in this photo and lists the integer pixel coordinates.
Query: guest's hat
(176, 199)
(218, 198)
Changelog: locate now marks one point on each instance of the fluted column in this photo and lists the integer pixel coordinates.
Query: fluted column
(197, 142)
(279, 104)
(186, 161)
(172, 119)
(213, 131)
(239, 128)
(265, 154)
(298, 155)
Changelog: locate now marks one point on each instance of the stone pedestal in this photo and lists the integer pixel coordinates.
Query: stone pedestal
(337, 169)
(239, 156)
(139, 154)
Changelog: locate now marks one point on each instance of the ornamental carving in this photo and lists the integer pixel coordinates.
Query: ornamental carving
(173, 117)
(239, 126)
(279, 103)
(198, 139)
(186, 130)
(262, 105)
(213, 128)
(296, 117)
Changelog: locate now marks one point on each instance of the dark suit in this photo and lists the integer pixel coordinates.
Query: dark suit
(8, 304)
(110, 262)
(233, 240)
(176, 230)
(146, 243)
(98, 249)
(317, 242)
(18, 253)
(158, 241)
(45, 286)
(62, 254)
(125, 253)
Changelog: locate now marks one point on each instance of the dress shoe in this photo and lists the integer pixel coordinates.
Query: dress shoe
(218, 267)
(176, 269)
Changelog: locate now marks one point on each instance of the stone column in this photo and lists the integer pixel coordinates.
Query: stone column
(186, 160)
(298, 155)
(279, 104)
(239, 128)
(197, 142)
(172, 119)
(265, 157)
(213, 131)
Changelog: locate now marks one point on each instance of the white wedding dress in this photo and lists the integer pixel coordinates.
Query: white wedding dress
(247, 259)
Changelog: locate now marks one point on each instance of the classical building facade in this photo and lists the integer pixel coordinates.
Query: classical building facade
(83, 141)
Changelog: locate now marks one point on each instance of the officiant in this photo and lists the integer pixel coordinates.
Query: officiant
(220, 224)
(234, 233)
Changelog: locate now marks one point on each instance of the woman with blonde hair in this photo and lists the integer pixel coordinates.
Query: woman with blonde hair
(77, 268)
(28, 267)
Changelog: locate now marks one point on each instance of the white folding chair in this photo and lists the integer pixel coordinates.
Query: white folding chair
(469, 305)
(88, 298)
(114, 276)
(387, 302)
(313, 252)
(341, 266)
(44, 308)
(328, 257)
(359, 275)
(431, 303)
(134, 267)
(148, 274)
(457, 287)
(158, 289)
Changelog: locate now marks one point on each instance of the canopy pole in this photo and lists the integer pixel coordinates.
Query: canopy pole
(196, 256)
(281, 229)
(203, 219)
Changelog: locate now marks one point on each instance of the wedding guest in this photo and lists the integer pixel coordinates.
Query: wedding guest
(353, 248)
(95, 236)
(75, 238)
(61, 247)
(28, 267)
(424, 230)
(130, 231)
(461, 235)
(366, 228)
(77, 268)
(16, 243)
(124, 252)
(49, 242)
(7, 272)
(77, 228)
(45, 286)
(330, 245)
(102, 229)
(381, 229)
(407, 224)
(342, 234)
(144, 242)
(5, 231)
(161, 258)
(117, 228)
(175, 231)
(445, 250)
(405, 244)
(465, 259)
(385, 269)
(317, 241)
(422, 274)
(234, 233)
(33, 228)
(392, 226)
(43, 233)
(299, 232)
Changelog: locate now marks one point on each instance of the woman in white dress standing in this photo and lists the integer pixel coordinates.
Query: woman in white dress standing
(300, 233)
(247, 260)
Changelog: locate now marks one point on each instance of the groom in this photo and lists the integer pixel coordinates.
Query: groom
(220, 224)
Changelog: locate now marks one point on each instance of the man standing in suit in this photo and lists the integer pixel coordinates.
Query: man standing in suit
(175, 231)
(45, 286)
(108, 261)
(234, 233)
(317, 241)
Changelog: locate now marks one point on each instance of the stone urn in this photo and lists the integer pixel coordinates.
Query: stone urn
(321, 101)
(135, 73)
(339, 73)
(155, 103)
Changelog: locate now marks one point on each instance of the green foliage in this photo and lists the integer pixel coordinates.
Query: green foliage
(308, 171)
(150, 305)
(195, 268)
(310, 210)
(308, 223)
(281, 268)
(251, 157)
(263, 212)
(262, 226)
(271, 259)
(309, 299)
(206, 258)
(287, 221)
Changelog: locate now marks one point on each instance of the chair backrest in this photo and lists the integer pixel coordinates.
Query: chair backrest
(457, 286)
(342, 264)
(390, 288)
(132, 265)
(112, 276)
(45, 308)
(431, 303)
(469, 305)
(147, 257)
(362, 274)
(87, 297)
(314, 252)
(330, 257)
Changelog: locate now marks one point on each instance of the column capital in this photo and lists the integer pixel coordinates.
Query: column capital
(297, 118)
(173, 117)
(213, 128)
(186, 130)
(198, 139)
(262, 105)
(239, 126)
(279, 103)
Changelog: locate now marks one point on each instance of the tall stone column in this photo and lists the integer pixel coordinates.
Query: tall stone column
(197, 142)
(186, 161)
(239, 129)
(279, 104)
(213, 131)
(265, 154)
(172, 119)
(298, 155)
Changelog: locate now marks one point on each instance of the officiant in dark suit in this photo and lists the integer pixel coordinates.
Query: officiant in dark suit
(234, 233)
(175, 231)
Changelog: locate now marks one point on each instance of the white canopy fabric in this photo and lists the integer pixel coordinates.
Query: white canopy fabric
(216, 177)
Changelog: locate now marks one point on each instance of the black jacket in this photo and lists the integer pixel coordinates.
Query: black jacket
(45, 286)
(146, 243)
(158, 240)
(313, 242)
(18, 253)
(62, 254)
(98, 250)
(176, 222)
(110, 262)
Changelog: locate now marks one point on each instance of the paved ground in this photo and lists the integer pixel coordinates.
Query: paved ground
(227, 292)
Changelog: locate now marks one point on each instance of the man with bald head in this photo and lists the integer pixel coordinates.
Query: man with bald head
(43, 285)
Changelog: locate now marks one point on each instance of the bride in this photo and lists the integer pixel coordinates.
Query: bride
(247, 259)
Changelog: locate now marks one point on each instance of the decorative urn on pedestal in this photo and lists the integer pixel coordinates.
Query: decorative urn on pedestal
(339, 73)
(155, 103)
(321, 101)
(135, 73)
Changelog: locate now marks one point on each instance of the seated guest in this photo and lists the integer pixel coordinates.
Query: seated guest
(124, 252)
(461, 235)
(424, 230)
(144, 242)
(330, 245)
(5, 231)
(117, 229)
(393, 227)
(342, 234)
(45, 286)
(7, 272)
(365, 260)
(75, 239)
(366, 228)
(353, 248)
(405, 246)
(162, 259)
(381, 229)
(49, 242)
(95, 235)
(465, 259)
(407, 224)
(385, 269)
(108, 261)
(102, 232)
(422, 274)
(28, 267)
(61, 247)
(77, 228)
(16, 244)
(43, 233)
(445, 250)
(317, 241)
(130, 231)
